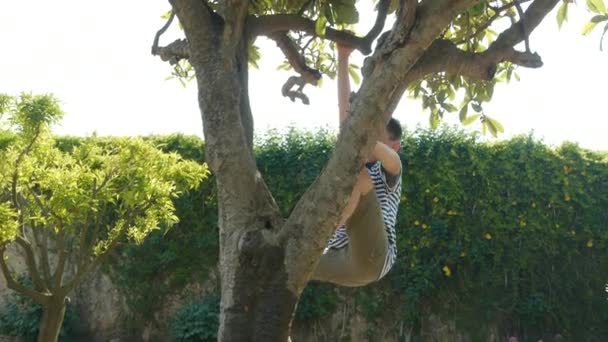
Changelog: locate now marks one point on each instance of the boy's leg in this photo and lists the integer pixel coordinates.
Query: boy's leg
(361, 261)
(367, 237)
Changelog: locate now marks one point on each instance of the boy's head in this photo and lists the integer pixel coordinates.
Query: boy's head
(392, 138)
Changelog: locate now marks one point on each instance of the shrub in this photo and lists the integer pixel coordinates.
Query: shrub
(197, 321)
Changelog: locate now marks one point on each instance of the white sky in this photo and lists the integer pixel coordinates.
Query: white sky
(95, 57)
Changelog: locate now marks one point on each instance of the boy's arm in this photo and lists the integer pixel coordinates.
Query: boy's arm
(343, 82)
(388, 157)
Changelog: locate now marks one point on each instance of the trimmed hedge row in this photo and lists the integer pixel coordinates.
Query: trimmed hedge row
(512, 232)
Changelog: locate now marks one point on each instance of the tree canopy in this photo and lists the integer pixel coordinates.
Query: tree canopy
(69, 211)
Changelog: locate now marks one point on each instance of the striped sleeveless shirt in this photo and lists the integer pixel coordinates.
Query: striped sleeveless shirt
(389, 198)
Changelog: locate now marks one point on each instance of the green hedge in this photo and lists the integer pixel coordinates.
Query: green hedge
(513, 232)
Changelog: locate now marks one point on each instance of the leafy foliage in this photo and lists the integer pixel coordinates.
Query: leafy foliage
(85, 201)
(163, 262)
(197, 321)
(318, 300)
(594, 6)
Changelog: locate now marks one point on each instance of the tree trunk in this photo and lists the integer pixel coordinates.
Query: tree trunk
(52, 319)
(256, 303)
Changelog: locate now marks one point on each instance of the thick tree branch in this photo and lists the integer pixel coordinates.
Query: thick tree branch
(269, 24)
(444, 56)
(61, 261)
(483, 65)
(532, 17)
(44, 254)
(30, 261)
(374, 32)
(11, 283)
(235, 12)
(522, 26)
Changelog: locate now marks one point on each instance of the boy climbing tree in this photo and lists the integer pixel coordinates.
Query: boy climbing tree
(363, 248)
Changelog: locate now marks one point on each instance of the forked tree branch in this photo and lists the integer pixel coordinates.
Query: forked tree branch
(497, 14)
(269, 24)
(30, 261)
(522, 26)
(11, 283)
(443, 55)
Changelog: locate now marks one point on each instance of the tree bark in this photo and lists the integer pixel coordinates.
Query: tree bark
(52, 319)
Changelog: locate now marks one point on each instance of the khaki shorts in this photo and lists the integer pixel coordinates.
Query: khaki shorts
(360, 262)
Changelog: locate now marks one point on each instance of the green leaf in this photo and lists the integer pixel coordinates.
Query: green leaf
(451, 93)
(463, 112)
(476, 107)
(449, 107)
(346, 13)
(588, 28)
(352, 70)
(477, 9)
(599, 18)
(320, 26)
(284, 66)
(592, 23)
(497, 125)
(470, 119)
(562, 14)
(254, 56)
(596, 6)
(166, 15)
(393, 6)
(493, 130)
